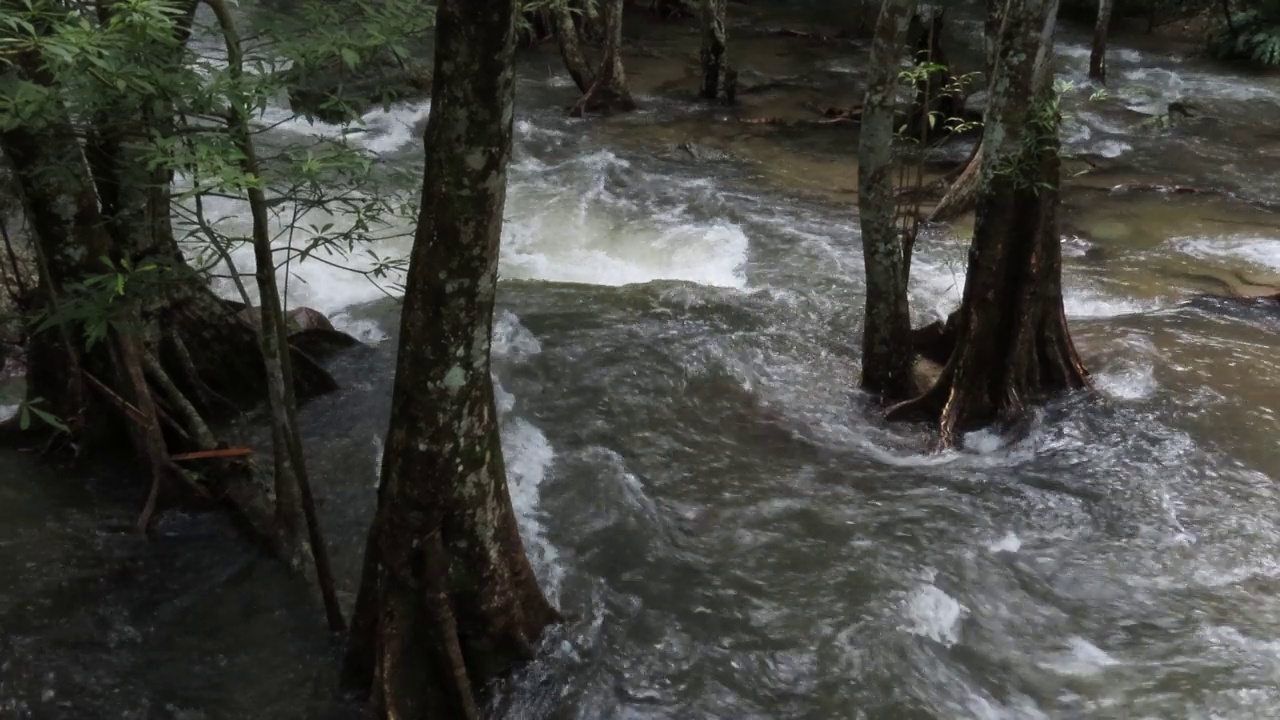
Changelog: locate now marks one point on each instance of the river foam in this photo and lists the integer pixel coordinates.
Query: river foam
(1258, 250)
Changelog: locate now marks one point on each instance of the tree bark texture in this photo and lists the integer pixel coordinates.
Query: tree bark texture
(571, 47)
(609, 92)
(886, 335)
(714, 48)
(1098, 57)
(1012, 343)
(448, 599)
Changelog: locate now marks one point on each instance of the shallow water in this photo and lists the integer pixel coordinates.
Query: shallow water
(731, 528)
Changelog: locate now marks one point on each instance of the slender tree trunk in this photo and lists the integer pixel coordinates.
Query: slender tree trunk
(295, 506)
(1012, 342)
(448, 600)
(609, 93)
(1098, 57)
(571, 47)
(714, 47)
(886, 335)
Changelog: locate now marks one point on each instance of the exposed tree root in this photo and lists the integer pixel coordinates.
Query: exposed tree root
(961, 197)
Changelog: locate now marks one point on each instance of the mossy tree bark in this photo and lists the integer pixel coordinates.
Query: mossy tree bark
(886, 335)
(1012, 343)
(1098, 56)
(715, 45)
(609, 92)
(448, 600)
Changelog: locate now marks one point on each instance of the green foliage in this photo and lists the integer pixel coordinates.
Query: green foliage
(134, 72)
(960, 85)
(1253, 35)
(31, 408)
(1040, 136)
(96, 304)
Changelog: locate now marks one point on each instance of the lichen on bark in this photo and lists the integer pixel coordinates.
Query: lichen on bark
(448, 600)
(886, 336)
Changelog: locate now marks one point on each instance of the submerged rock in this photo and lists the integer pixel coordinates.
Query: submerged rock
(697, 152)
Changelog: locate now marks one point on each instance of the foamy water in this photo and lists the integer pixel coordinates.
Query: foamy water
(929, 612)
(1262, 251)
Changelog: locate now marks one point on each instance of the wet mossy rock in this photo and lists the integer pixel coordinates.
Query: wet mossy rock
(335, 89)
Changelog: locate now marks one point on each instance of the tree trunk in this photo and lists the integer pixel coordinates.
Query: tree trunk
(886, 335)
(714, 46)
(1098, 58)
(609, 93)
(295, 506)
(448, 600)
(571, 47)
(1012, 342)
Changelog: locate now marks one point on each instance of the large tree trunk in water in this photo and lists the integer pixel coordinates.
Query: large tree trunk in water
(1012, 342)
(886, 335)
(448, 600)
(714, 47)
(609, 93)
(1098, 58)
(571, 47)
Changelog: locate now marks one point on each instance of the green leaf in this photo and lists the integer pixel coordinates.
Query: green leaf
(350, 58)
(51, 420)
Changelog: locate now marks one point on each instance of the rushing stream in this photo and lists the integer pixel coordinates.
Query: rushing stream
(732, 530)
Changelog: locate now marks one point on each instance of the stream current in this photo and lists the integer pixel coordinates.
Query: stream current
(731, 529)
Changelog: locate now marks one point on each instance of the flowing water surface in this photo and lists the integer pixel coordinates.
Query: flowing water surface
(731, 529)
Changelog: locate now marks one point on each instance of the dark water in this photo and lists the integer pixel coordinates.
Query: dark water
(733, 531)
